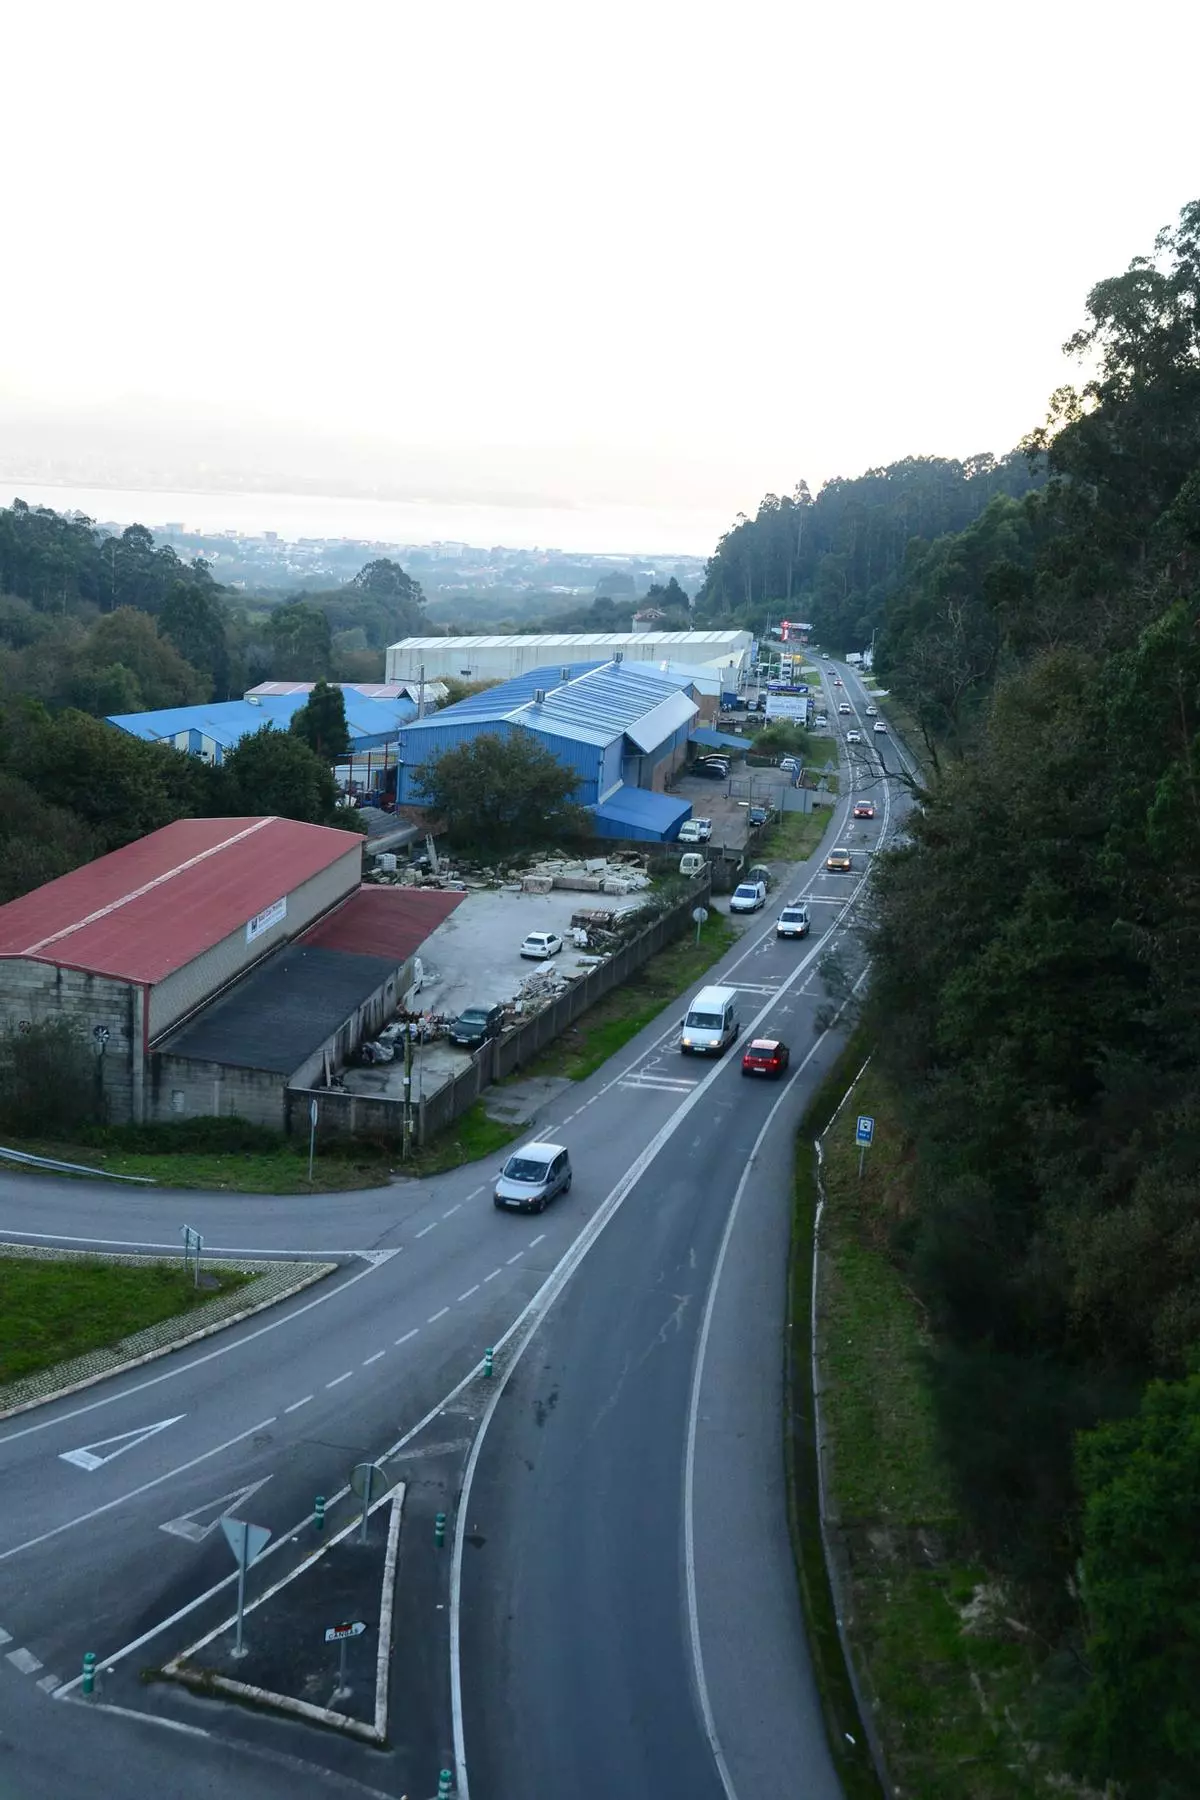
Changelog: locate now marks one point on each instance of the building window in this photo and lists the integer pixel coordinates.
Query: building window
(178, 1103)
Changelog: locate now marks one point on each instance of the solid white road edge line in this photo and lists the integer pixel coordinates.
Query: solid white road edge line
(689, 1463)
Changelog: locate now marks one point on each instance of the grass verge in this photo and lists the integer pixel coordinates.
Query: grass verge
(848, 1745)
(623, 1012)
(953, 1675)
(471, 1137)
(794, 836)
(280, 1169)
(51, 1311)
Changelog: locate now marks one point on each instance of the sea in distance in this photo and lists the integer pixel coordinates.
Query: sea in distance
(601, 530)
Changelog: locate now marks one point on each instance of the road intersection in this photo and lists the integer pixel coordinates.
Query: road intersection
(634, 1517)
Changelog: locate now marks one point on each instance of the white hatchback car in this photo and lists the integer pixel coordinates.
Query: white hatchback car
(541, 944)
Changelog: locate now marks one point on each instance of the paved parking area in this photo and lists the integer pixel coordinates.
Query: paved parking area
(712, 800)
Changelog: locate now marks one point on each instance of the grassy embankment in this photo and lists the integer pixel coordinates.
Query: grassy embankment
(792, 837)
(52, 1310)
(624, 1010)
(227, 1154)
(953, 1673)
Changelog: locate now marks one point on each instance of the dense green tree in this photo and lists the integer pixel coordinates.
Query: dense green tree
(129, 639)
(501, 794)
(301, 645)
(273, 772)
(1140, 1572)
(321, 723)
(193, 619)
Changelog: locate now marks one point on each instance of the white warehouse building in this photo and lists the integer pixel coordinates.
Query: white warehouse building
(728, 654)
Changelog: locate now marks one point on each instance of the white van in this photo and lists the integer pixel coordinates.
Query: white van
(712, 1022)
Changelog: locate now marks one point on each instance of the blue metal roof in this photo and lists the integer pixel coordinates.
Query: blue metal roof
(646, 812)
(368, 721)
(597, 703)
(502, 701)
(717, 740)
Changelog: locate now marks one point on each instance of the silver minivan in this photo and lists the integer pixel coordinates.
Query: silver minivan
(532, 1177)
(711, 1024)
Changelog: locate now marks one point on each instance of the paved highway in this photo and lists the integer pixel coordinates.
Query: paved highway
(624, 1627)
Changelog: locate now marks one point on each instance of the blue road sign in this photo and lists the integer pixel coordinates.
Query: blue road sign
(865, 1131)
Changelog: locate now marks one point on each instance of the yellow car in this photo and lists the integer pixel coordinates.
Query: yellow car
(838, 862)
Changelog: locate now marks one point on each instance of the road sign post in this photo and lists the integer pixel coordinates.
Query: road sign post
(341, 1635)
(864, 1136)
(246, 1542)
(699, 914)
(363, 1479)
(312, 1137)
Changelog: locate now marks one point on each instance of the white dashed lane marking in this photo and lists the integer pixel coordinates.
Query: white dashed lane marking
(373, 1359)
(434, 1317)
(453, 1210)
(426, 1229)
(407, 1335)
(469, 1292)
(24, 1660)
(517, 1257)
(48, 1683)
(534, 1242)
(338, 1379)
(297, 1404)
(493, 1275)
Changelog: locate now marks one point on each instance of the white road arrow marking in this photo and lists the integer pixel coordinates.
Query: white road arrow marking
(88, 1455)
(188, 1525)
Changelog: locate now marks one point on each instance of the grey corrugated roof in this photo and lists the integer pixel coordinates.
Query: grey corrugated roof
(282, 1012)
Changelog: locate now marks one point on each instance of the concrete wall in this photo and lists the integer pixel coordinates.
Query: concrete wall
(40, 992)
(346, 1115)
(179, 1088)
(183, 991)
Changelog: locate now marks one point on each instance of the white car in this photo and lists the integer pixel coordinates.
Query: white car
(541, 944)
(748, 896)
(695, 831)
(879, 725)
(844, 706)
(854, 737)
(793, 921)
(871, 711)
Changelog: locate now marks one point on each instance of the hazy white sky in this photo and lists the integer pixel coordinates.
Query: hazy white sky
(747, 243)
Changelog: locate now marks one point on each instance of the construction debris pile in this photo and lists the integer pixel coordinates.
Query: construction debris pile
(624, 872)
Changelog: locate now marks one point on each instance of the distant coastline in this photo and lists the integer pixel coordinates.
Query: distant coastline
(600, 530)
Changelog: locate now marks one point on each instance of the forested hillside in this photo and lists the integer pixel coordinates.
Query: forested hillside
(1036, 1005)
(115, 624)
(835, 560)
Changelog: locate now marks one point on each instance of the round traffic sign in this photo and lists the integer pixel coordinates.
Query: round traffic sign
(699, 914)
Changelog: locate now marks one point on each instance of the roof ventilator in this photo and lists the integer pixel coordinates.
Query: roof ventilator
(539, 696)
(618, 656)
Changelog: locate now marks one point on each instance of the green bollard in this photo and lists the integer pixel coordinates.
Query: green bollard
(319, 1513)
(89, 1672)
(445, 1785)
(487, 1362)
(439, 1530)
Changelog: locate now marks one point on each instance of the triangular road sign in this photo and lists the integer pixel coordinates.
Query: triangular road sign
(188, 1525)
(93, 1456)
(244, 1540)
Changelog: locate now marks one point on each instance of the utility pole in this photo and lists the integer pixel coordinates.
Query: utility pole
(408, 1069)
(421, 692)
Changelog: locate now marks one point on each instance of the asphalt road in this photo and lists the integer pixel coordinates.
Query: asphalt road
(601, 1655)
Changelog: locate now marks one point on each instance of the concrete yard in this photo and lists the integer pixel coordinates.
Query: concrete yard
(473, 959)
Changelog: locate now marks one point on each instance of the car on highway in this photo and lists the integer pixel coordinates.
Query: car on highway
(844, 706)
(476, 1025)
(879, 726)
(532, 1177)
(711, 1022)
(540, 944)
(864, 809)
(821, 721)
(854, 737)
(838, 862)
(766, 1056)
(793, 921)
(748, 896)
(695, 831)
(837, 681)
(871, 711)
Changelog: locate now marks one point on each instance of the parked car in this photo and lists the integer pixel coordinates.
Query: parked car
(541, 944)
(532, 1177)
(863, 809)
(821, 721)
(710, 771)
(793, 921)
(704, 827)
(854, 737)
(689, 832)
(758, 815)
(476, 1025)
(766, 1056)
(838, 861)
(748, 896)
(879, 726)
(790, 765)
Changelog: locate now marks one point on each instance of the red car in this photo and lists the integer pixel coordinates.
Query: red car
(766, 1056)
(863, 809)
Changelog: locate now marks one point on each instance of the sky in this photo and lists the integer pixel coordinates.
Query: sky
(654, 254)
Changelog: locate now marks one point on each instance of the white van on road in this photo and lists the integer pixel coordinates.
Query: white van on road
(712, 1022)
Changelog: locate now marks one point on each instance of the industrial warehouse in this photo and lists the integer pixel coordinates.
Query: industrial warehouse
(216, 963)
(730, 654)
(622, 728)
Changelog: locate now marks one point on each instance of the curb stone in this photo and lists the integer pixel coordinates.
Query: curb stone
(271, 1283)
